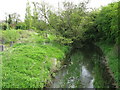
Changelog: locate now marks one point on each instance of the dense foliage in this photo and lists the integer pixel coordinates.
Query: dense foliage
(73, 22)
(29, 65)
(107, 23)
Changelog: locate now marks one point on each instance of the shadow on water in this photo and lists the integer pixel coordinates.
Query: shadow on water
(83, 71)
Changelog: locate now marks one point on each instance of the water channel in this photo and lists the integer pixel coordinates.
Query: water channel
(83, 71)
(76, 74)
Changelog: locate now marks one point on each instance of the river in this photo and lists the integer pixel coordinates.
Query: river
(74, 75)
(83, 71)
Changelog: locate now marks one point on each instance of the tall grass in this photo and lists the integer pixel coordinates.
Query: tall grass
(111, 55)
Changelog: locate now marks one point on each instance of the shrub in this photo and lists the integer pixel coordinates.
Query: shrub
(10, 36)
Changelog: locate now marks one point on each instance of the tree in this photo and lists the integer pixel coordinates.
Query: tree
(35, 15)
(71, 22)
(28, 16)
(107, 21)
(9, 19)
(44, 11)
(15, 18)
(12, 20)
(91, 34)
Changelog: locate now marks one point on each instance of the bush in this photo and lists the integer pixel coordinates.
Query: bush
(21, 25)
(4, 26)
(10, 36)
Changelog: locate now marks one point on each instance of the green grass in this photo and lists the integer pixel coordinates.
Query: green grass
(99, 81)
(111, 55)
(29, 65)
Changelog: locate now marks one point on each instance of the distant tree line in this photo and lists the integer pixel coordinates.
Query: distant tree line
(74, 23)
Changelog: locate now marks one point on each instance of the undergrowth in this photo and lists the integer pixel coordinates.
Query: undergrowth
(29, 65)
(111, 55)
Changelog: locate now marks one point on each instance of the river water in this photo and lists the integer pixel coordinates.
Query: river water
(84, 70)
(86, 78)
(77, 74)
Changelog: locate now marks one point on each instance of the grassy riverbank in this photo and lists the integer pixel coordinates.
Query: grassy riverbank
(111, 55)
(29, 63)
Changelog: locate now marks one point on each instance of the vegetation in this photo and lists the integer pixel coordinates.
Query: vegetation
(99, 81)
(111, 54)
(10, 36)
(45, 36)
(107, 23)
(30, 62)
(108, 34)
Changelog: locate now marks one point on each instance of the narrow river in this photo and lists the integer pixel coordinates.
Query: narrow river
(78, 73)
(83, 71)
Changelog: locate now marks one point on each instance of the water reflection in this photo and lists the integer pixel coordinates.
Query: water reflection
(78, 74)
(86, 78)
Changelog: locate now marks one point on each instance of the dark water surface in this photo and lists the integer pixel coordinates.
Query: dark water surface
(77, 74)
(83, 71)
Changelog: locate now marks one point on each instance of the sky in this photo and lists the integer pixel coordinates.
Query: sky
(19, 6)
